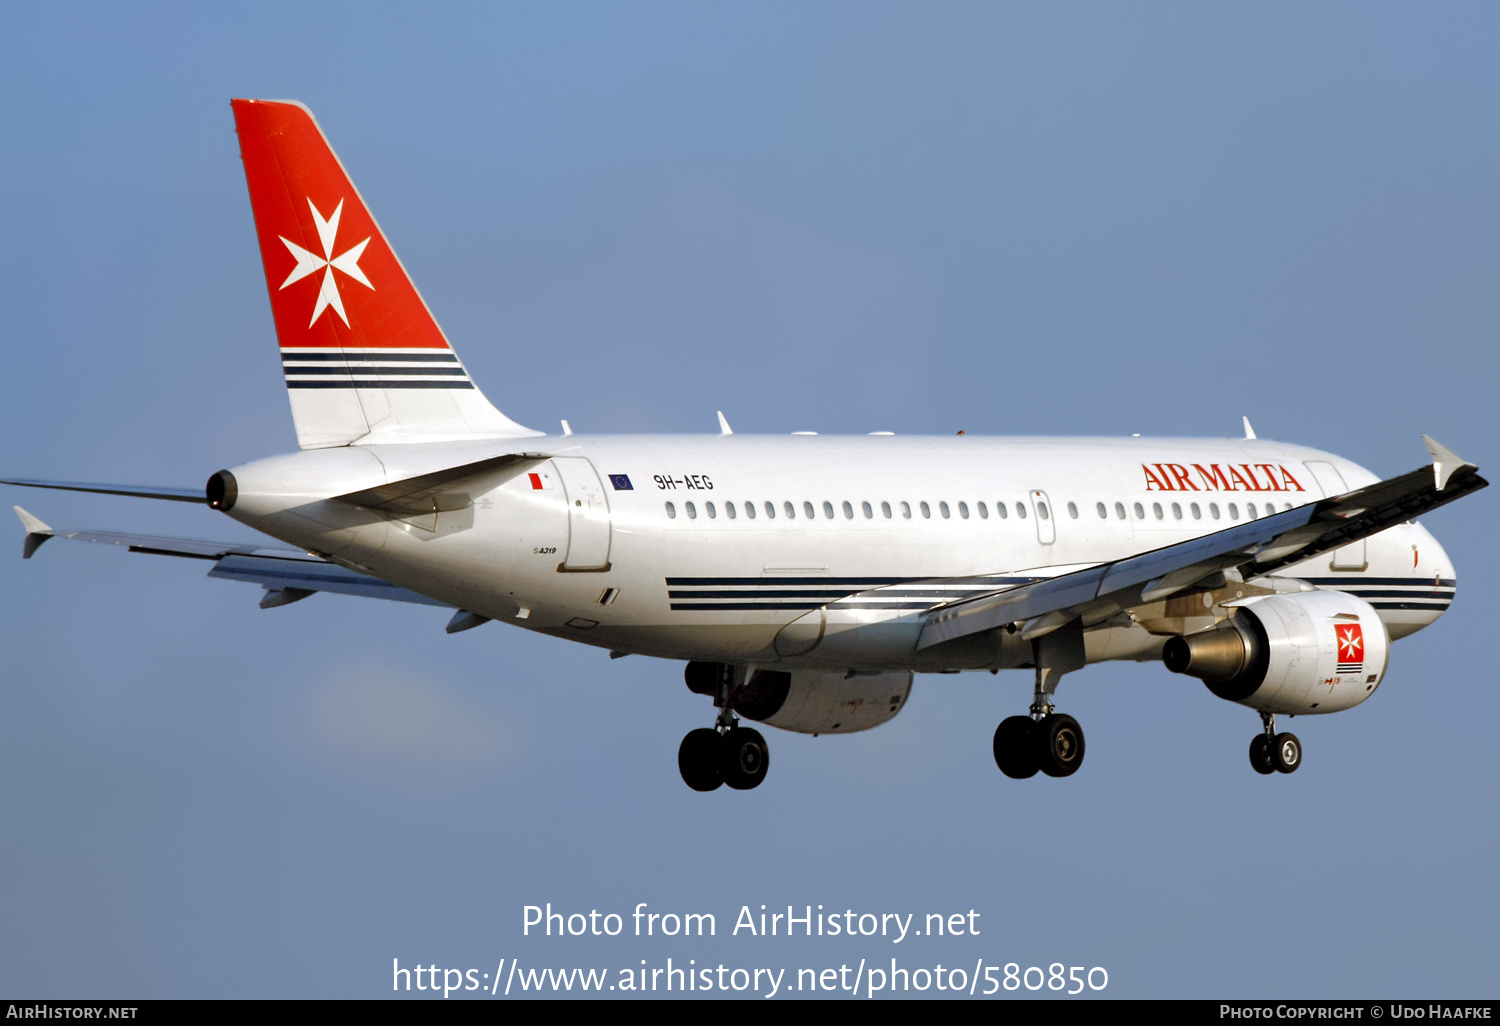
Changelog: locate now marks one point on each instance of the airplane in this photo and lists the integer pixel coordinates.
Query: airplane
(803, 579)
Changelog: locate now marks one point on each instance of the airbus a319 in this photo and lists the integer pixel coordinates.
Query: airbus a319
(803, 579)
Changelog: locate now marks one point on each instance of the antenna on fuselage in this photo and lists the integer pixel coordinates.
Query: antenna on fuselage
(1249, 431)
(724, 428)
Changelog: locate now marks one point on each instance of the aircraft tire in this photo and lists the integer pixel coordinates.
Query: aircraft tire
(1260, 754)
(1286, 753)
(698, 759)
(743, 758)
(1059, 745)
(1015, 750)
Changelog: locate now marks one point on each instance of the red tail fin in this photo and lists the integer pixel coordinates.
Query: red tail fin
(363, 356)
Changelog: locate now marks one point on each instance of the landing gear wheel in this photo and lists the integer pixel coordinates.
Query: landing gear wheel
(1286, 753)
(698, 759)
(1260, 754)
(1059, 745)
(743, 758)
(1015, 751)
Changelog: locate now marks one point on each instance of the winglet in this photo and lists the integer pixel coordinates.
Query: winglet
(724, 428)
(1249, 431)
(36, 532)
(1444, 462)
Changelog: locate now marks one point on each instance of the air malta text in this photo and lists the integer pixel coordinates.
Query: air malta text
(1231, 477)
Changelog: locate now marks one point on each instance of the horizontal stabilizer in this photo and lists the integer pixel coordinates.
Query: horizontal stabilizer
(435, 492)
(139, 491)
(283, 572)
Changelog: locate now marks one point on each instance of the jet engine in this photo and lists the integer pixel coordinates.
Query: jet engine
(822, 702)
(1311, 652)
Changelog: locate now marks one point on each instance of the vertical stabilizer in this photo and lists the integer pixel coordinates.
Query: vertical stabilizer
(364, 359)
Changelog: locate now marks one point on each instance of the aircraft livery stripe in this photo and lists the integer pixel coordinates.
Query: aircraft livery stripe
(835, 582)
(378, 383)
(1365, 582)
(743, 606)
(1432, 606)
(1433, 594)
(376, 371)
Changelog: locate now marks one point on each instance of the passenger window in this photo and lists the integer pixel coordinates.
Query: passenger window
(828, 510)
(671, 512)
(770, 511)
(885, 507)
(729, 508)
(1120, 510)
(943, 509)
(848, 510)
(1041, 510)
(1003, 510)
(984, 511)
(713, 514)
(790, 510)
(1140, 514)
(926, 511)
(1073, 511)
(1156, 508)
(1213, 510)
(869, 513)
(750, 510)
(1103, 513)
(1021, 510)
(692, 511)
(1250, 510)
(1176, 511)
(807, 510)
(906, 510)
(1234, 512)
(963, 510)
(1197, 513)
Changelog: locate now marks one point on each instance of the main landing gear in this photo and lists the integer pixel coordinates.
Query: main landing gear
(1045, 740)
(1271, 752)
(725, 753)
(1052, 743)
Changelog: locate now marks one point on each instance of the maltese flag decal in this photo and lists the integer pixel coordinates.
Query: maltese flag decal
(1351, 643)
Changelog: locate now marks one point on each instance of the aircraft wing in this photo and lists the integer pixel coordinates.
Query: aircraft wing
(286, 574)
(1251, 549)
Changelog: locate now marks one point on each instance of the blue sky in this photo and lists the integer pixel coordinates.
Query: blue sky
(841, 217)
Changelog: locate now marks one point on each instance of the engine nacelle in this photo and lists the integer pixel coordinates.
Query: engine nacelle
(1313, 652)
(822, 702)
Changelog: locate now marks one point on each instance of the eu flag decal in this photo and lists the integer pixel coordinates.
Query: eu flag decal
(621, 482)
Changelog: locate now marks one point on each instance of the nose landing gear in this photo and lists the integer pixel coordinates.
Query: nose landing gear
(1271, 752)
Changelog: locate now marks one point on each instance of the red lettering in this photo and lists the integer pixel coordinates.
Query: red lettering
(1180, 472)
(1215, 481)
(1244, 485)
(1153, 483)
(1254, 484)
(1287, 478)
(1270, 476)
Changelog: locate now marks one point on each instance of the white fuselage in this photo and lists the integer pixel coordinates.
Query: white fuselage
(830, 569)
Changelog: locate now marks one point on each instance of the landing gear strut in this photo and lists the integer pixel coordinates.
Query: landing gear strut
(1271, 752)
(1048, 741)
(725, 753)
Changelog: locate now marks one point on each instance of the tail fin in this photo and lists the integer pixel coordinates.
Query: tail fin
(363, 357)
